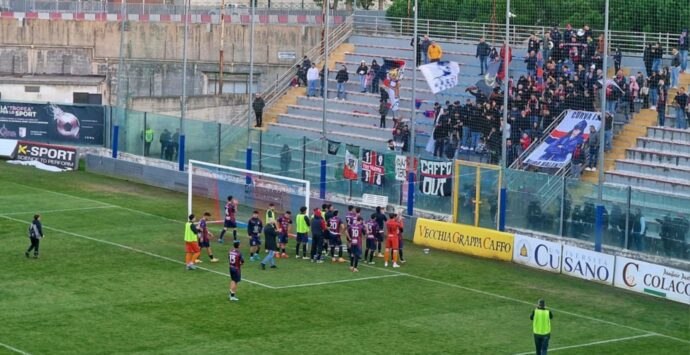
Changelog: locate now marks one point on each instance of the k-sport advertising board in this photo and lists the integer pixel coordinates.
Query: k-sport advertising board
(588, 265)
(49, 154)
(652, 279)
(537, 253)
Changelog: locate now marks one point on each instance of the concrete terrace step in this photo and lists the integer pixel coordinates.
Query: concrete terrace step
(368, 57)
(669, 134)
(640, 167)
(339, 123)
(464, 76)
(342, 110)
(658, 157)
(663, 145)
(347, 105)
(404, 42)
(345, 117)
(393, 51)
(649, 181)
(337, 135)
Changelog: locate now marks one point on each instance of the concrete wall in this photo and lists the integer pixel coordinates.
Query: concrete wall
(153, 52)
(203, 107)
(52, 93)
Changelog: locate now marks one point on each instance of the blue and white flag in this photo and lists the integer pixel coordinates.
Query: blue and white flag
(441, 75)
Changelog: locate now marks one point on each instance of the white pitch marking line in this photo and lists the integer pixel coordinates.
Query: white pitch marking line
(60, 210)
(595, 343)
(391, 271)
(133, 249)
(532, 304)
(11, 348)
(336, 282)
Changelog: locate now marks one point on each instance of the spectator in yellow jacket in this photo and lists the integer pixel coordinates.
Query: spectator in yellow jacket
(434, 52)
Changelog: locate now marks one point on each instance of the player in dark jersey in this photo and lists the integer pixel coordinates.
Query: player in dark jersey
(371, 229)
(400, 239)
(284, 223)
(235, 260)
(335, 230)
(381, 221)
(327, 214)
(230, 221)
(254, 228)
(356, 234)
(204, 237)
(350, 219)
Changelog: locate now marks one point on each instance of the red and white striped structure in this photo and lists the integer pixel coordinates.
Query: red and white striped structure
(193, 18)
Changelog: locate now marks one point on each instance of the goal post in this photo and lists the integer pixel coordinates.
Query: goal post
(209, 185)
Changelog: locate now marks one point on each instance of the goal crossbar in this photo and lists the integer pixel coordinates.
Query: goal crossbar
(239, 171)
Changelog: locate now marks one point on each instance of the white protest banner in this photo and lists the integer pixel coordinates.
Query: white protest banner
(441, 75)
(557, 149)
(537, 253)
(652, 279)
(588, 264)
(400, 168)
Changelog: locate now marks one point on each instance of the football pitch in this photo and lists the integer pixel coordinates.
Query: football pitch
(111, 279)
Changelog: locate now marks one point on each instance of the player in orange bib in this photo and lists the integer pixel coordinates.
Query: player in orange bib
(393, 227)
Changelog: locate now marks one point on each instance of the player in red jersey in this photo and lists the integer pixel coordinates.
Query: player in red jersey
(356, 235)
(230, 221)
(204, 237)
(284, 223)
(371, 229)
(335, 230)
(393, 227)
(235, 260)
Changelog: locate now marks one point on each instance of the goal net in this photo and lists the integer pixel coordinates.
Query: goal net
(210, 185)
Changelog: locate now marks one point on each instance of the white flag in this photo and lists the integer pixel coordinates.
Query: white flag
(441, 75)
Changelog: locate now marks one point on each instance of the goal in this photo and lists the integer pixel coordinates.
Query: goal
(209, 185)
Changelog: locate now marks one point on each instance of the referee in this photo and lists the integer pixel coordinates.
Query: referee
(35, 235)
(541, 325)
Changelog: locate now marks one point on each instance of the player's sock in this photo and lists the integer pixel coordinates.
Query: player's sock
(401, 254)
(304, 249)
(386, 255)
(395, 256)
(297, 249)
(251, 255)
(282, 250)
(232, 294)
(333, 252)
(222, 234)
(210, 256)
(378, 247)
(366, 254)
(340, 252)
(352, 262)
(234, 234)
(187, 258)
(356, 260)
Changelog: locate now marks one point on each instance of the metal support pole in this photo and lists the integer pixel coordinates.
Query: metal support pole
(183, 101)
(143, 139)
(115, 140)
(248, 165)
(502, 211)
(413, 114)
(304, 158)
(325, 78)
(220, 129)
(504, 119)
(561, 224)
(121, 63)
(602, 136)
(251, 72)
(410, 193)
(261, 144)
(627, 217)
(221, 60)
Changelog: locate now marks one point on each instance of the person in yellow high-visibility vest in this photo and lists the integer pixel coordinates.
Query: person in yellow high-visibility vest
(147, 135)
(541, 326)
(191, 243)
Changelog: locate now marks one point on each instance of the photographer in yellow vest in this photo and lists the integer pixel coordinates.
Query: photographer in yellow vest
(541, 326)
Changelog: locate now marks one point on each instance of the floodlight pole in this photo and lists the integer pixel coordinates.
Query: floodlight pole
(251, 73)
(506, 88)
(599, 217)
(413, 106)
(183, 100)
(324, 142)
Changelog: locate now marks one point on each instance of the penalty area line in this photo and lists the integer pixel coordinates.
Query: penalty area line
(337, 281)
(134, 250)
(59, 210)
(595, 343)
(12, 348)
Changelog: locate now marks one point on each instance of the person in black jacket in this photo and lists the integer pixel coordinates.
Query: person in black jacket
(342, 77)
(35, 235)
(417, 41)
(647, 58)
(270, 235)
(483, 51)
(318, 228)
(441, 132)
(258, 106)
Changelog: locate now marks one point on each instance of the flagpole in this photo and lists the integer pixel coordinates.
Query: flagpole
(599, 216)
(322, 182)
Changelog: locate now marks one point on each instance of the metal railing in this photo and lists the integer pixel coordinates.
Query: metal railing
(632, 43)
(279, 87)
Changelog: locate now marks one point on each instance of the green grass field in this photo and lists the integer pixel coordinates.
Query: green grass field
(111, 279)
